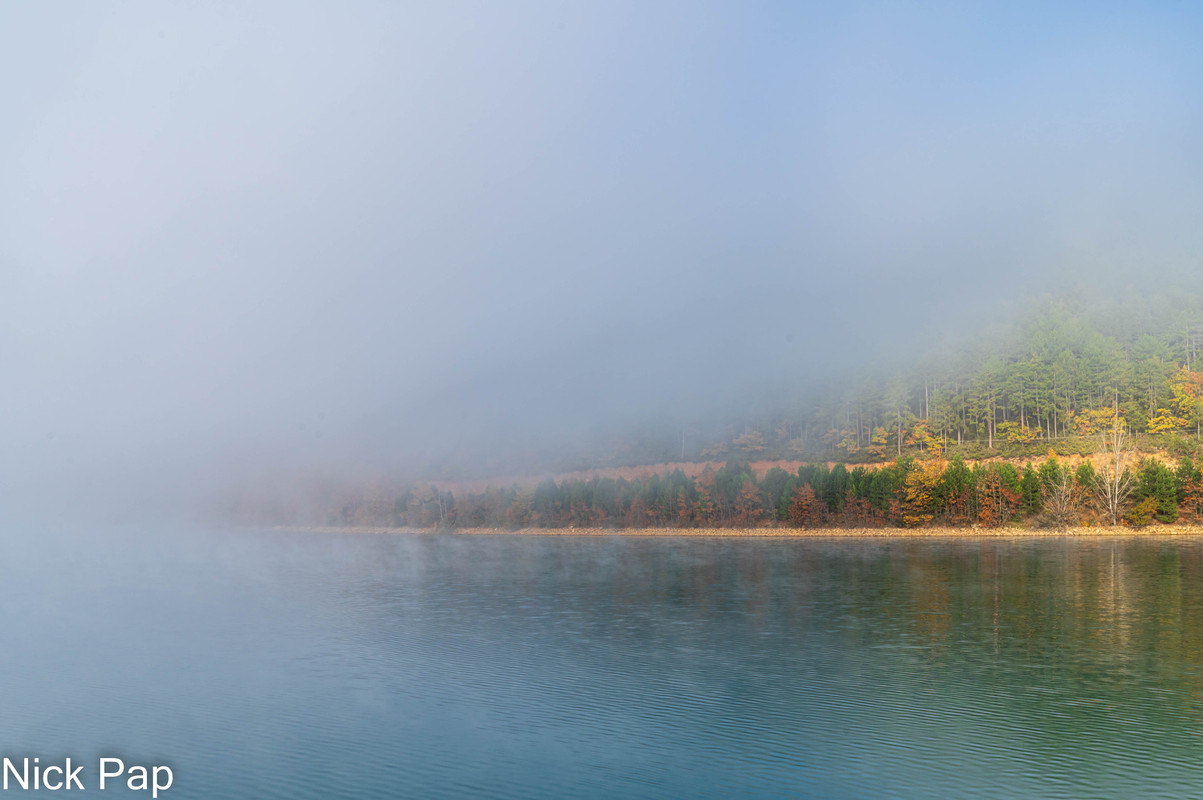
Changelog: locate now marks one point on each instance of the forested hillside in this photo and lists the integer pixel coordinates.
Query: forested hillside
(1055, 378)
(1068, 416)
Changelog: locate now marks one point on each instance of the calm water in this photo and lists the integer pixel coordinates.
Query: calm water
(288, 665)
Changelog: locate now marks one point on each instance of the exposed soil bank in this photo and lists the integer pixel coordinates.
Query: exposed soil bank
(778, 533)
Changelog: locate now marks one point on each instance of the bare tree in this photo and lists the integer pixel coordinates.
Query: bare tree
(1062, 502)
(1115, 479)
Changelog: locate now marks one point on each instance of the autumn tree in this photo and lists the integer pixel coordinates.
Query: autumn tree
(805, 510)
(1190, 490)
(1187, 390)
(750, 442)
(749, 505)
(997, 495)
(922, 492)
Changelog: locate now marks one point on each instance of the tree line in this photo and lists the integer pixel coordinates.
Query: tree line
(910, 492)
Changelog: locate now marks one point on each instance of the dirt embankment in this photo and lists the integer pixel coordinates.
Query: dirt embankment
(693, 469)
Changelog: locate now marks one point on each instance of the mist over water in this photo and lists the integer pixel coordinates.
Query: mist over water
(290, 665)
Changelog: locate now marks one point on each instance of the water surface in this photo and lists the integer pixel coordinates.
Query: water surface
(309, 665)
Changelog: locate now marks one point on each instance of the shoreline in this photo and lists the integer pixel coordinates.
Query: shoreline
(1152, 531)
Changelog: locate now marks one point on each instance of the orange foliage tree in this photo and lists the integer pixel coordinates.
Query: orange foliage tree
(997, 502)
(749, 505)
(805, 510)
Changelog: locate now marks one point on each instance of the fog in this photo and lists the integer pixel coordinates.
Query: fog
(371, 237)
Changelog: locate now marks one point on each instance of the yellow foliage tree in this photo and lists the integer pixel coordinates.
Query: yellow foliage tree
(1164, 420)
(921, 434)
(922, 486)
(1093, 421)
(1187, 388)
(1016, 433)
(877, 442)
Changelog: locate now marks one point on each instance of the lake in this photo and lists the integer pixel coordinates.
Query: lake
(266, 664)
